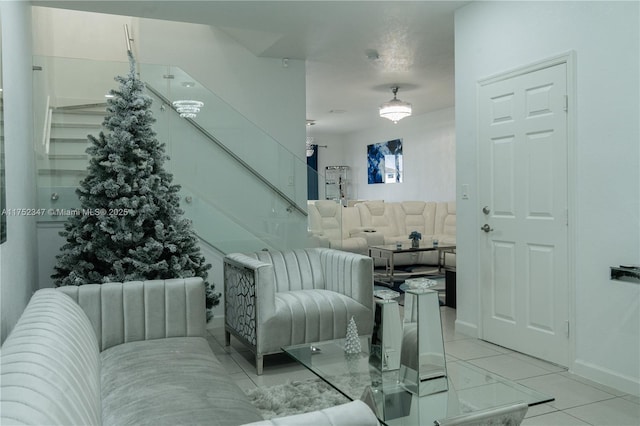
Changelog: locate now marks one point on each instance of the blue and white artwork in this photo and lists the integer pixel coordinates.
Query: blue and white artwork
(384, 162)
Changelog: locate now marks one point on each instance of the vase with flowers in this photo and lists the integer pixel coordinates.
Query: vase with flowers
(415, 238)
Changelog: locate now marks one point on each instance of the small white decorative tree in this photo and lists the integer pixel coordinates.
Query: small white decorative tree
(352, 340)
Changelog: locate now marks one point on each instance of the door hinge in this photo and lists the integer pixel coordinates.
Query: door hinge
(566, 217)
(568, 328)
(566, 103)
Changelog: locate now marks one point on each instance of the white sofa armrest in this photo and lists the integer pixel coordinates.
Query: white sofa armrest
(318, 239)
(248, 283)
(142, 310)
(50, 365)
(354, 413)
(372, 237)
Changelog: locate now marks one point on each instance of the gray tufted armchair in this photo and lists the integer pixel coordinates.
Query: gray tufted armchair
(275, 299)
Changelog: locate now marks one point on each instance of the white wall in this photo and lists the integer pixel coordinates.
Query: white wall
(493, 37)
(17, 255)
(72, 34)
(269, 95)
(428, 147)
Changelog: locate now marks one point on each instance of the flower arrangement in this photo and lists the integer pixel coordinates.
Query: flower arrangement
(415, 235)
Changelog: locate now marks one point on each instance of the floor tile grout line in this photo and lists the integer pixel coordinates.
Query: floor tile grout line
(595, 386)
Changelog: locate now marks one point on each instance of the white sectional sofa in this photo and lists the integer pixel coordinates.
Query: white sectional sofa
(330, 225)
(372, 223)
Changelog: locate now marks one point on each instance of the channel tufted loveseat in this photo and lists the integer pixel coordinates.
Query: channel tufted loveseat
(280, 298)
(127, 354)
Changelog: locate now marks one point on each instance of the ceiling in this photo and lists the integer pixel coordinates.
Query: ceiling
(355, 51)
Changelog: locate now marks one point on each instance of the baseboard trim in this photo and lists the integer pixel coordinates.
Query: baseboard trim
(215, 322)
(606, 377)
(467, 328)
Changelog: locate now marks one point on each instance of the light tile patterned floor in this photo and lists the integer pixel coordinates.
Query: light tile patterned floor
(578, 401)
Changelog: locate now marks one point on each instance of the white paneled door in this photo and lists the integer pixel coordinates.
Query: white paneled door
(523, 241)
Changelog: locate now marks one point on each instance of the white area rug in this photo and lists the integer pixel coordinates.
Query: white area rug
(294, 397)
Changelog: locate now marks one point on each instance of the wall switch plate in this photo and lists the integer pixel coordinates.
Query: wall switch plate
(465, 191)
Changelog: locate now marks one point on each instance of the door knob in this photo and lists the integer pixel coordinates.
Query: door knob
(486, 228)
(486, 210)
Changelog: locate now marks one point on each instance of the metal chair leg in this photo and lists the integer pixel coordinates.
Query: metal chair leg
(259, 364)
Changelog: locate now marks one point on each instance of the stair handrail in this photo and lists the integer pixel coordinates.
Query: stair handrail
(46, 131)
(203, 131)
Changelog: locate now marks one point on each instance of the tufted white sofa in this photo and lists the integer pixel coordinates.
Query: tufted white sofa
(371, 223)
(126, 354)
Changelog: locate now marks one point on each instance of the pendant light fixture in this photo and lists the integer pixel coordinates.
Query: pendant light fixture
(310, 139)
(395, 110)
(188, 108)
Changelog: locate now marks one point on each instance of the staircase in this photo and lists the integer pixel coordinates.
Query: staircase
(62, 164)
(64, 161)
(238, 184)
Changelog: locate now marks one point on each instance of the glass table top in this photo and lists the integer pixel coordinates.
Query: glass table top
(470, 388)
(406, 247)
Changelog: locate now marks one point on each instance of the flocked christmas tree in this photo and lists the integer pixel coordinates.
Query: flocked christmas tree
(130, 225)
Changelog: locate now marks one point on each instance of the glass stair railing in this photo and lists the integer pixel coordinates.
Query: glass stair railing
(241, 188)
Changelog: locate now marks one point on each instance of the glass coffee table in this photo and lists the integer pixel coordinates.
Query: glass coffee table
(388, 252)
(470, 388)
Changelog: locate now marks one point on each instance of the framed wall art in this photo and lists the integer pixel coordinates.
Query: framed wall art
(384, 162)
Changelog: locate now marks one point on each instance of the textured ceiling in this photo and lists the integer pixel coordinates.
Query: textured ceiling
(355, 51)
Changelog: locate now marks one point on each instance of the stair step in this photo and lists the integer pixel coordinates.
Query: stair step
(76, 125)
(82, 107)
(97, 112)
(68, 140)
(60, 177)
(61, 172)
(64, 162)
(68, 157)
(76, 120)
(68, 132)
(67, 146)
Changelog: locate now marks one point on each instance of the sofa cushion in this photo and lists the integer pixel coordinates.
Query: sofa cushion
(169, 382)
(50, 365)
(445, 223)
(378, 215)
(415, 216)
(330, 218)
(312, 315)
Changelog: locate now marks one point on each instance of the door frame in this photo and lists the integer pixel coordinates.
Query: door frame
(568, 58)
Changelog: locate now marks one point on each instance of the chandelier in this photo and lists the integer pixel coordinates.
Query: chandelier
(188, 108)
(395, 110)
(310, 147)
